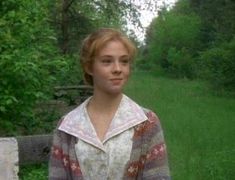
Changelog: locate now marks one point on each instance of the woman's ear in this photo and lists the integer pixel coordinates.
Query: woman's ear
(88, 69)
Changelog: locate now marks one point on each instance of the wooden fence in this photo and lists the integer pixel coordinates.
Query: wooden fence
(36, 148)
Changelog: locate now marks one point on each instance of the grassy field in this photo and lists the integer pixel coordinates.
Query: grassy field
(199, 127)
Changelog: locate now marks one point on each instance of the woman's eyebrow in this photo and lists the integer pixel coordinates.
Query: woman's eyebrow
(106, 56)
(126, 55)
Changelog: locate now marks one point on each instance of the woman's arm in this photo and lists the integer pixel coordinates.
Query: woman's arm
(58, 163)
(155, 161)
(149, 156)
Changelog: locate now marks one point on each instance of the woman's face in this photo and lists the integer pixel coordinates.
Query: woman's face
(111, 68)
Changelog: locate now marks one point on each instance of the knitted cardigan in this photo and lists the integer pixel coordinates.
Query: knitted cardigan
(148, 160)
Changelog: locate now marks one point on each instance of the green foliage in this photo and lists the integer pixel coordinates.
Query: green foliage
(174, 35)
(29, 63)
(71, 73)
(73, 20)
(218, 19)
(219, 65)
(181, 63)
(195, 39)
(33, 172)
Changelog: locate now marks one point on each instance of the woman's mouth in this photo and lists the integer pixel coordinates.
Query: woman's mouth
(116, 80)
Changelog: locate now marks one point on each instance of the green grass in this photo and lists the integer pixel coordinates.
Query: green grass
(34, 172)
(199, 127)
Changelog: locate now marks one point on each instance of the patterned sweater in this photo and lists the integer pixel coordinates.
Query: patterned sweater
(148, 159)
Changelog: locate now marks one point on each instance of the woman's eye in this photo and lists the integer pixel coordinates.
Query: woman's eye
(106, 61)
(125, 61)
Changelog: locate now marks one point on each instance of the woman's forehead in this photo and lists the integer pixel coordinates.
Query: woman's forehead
(113, 47)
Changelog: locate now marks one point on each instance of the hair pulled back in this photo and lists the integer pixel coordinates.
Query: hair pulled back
(93, 44)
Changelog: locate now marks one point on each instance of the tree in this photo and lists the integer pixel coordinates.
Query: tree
(218, 31)
(29, 62)
(218, 19)
(195, 38)
(73, 20)
(174, 32)
(219, 66)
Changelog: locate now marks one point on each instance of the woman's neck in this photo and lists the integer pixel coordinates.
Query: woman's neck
(101, 110)
(105, 102)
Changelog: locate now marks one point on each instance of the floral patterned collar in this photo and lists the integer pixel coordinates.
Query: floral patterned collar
(77, 123)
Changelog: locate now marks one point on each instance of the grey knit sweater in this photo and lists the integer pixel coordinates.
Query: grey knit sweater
(148, 160)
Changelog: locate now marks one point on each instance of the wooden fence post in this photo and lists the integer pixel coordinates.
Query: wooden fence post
(8, 159)
(34, 149)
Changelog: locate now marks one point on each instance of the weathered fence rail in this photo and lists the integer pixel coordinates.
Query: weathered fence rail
(34, 149)
(75, 94)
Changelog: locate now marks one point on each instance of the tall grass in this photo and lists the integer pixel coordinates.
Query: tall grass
(199, 127)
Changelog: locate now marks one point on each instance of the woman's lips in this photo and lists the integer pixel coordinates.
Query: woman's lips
(116, 80)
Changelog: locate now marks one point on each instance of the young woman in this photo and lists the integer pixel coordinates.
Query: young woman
(109, 136)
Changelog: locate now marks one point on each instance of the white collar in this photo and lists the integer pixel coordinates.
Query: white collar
(78, 124)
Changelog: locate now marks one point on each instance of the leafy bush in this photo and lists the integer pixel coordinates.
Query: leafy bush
(173, 40)
(29, 63)
(219, 66)
(181, 63)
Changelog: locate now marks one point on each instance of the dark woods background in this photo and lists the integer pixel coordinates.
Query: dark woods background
(39, 44)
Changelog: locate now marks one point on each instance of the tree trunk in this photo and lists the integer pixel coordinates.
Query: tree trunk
(65, 25)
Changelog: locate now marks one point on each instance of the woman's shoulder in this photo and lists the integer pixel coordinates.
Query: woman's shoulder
(150, 126)
(151, 115)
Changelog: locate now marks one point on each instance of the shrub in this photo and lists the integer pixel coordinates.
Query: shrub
(173, 39)
(180, 63)
(29, 63)
(219, 66)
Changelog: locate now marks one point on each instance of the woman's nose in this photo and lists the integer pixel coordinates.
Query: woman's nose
(117, 67)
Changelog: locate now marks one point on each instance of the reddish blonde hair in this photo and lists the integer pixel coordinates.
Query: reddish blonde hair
(95, 42)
